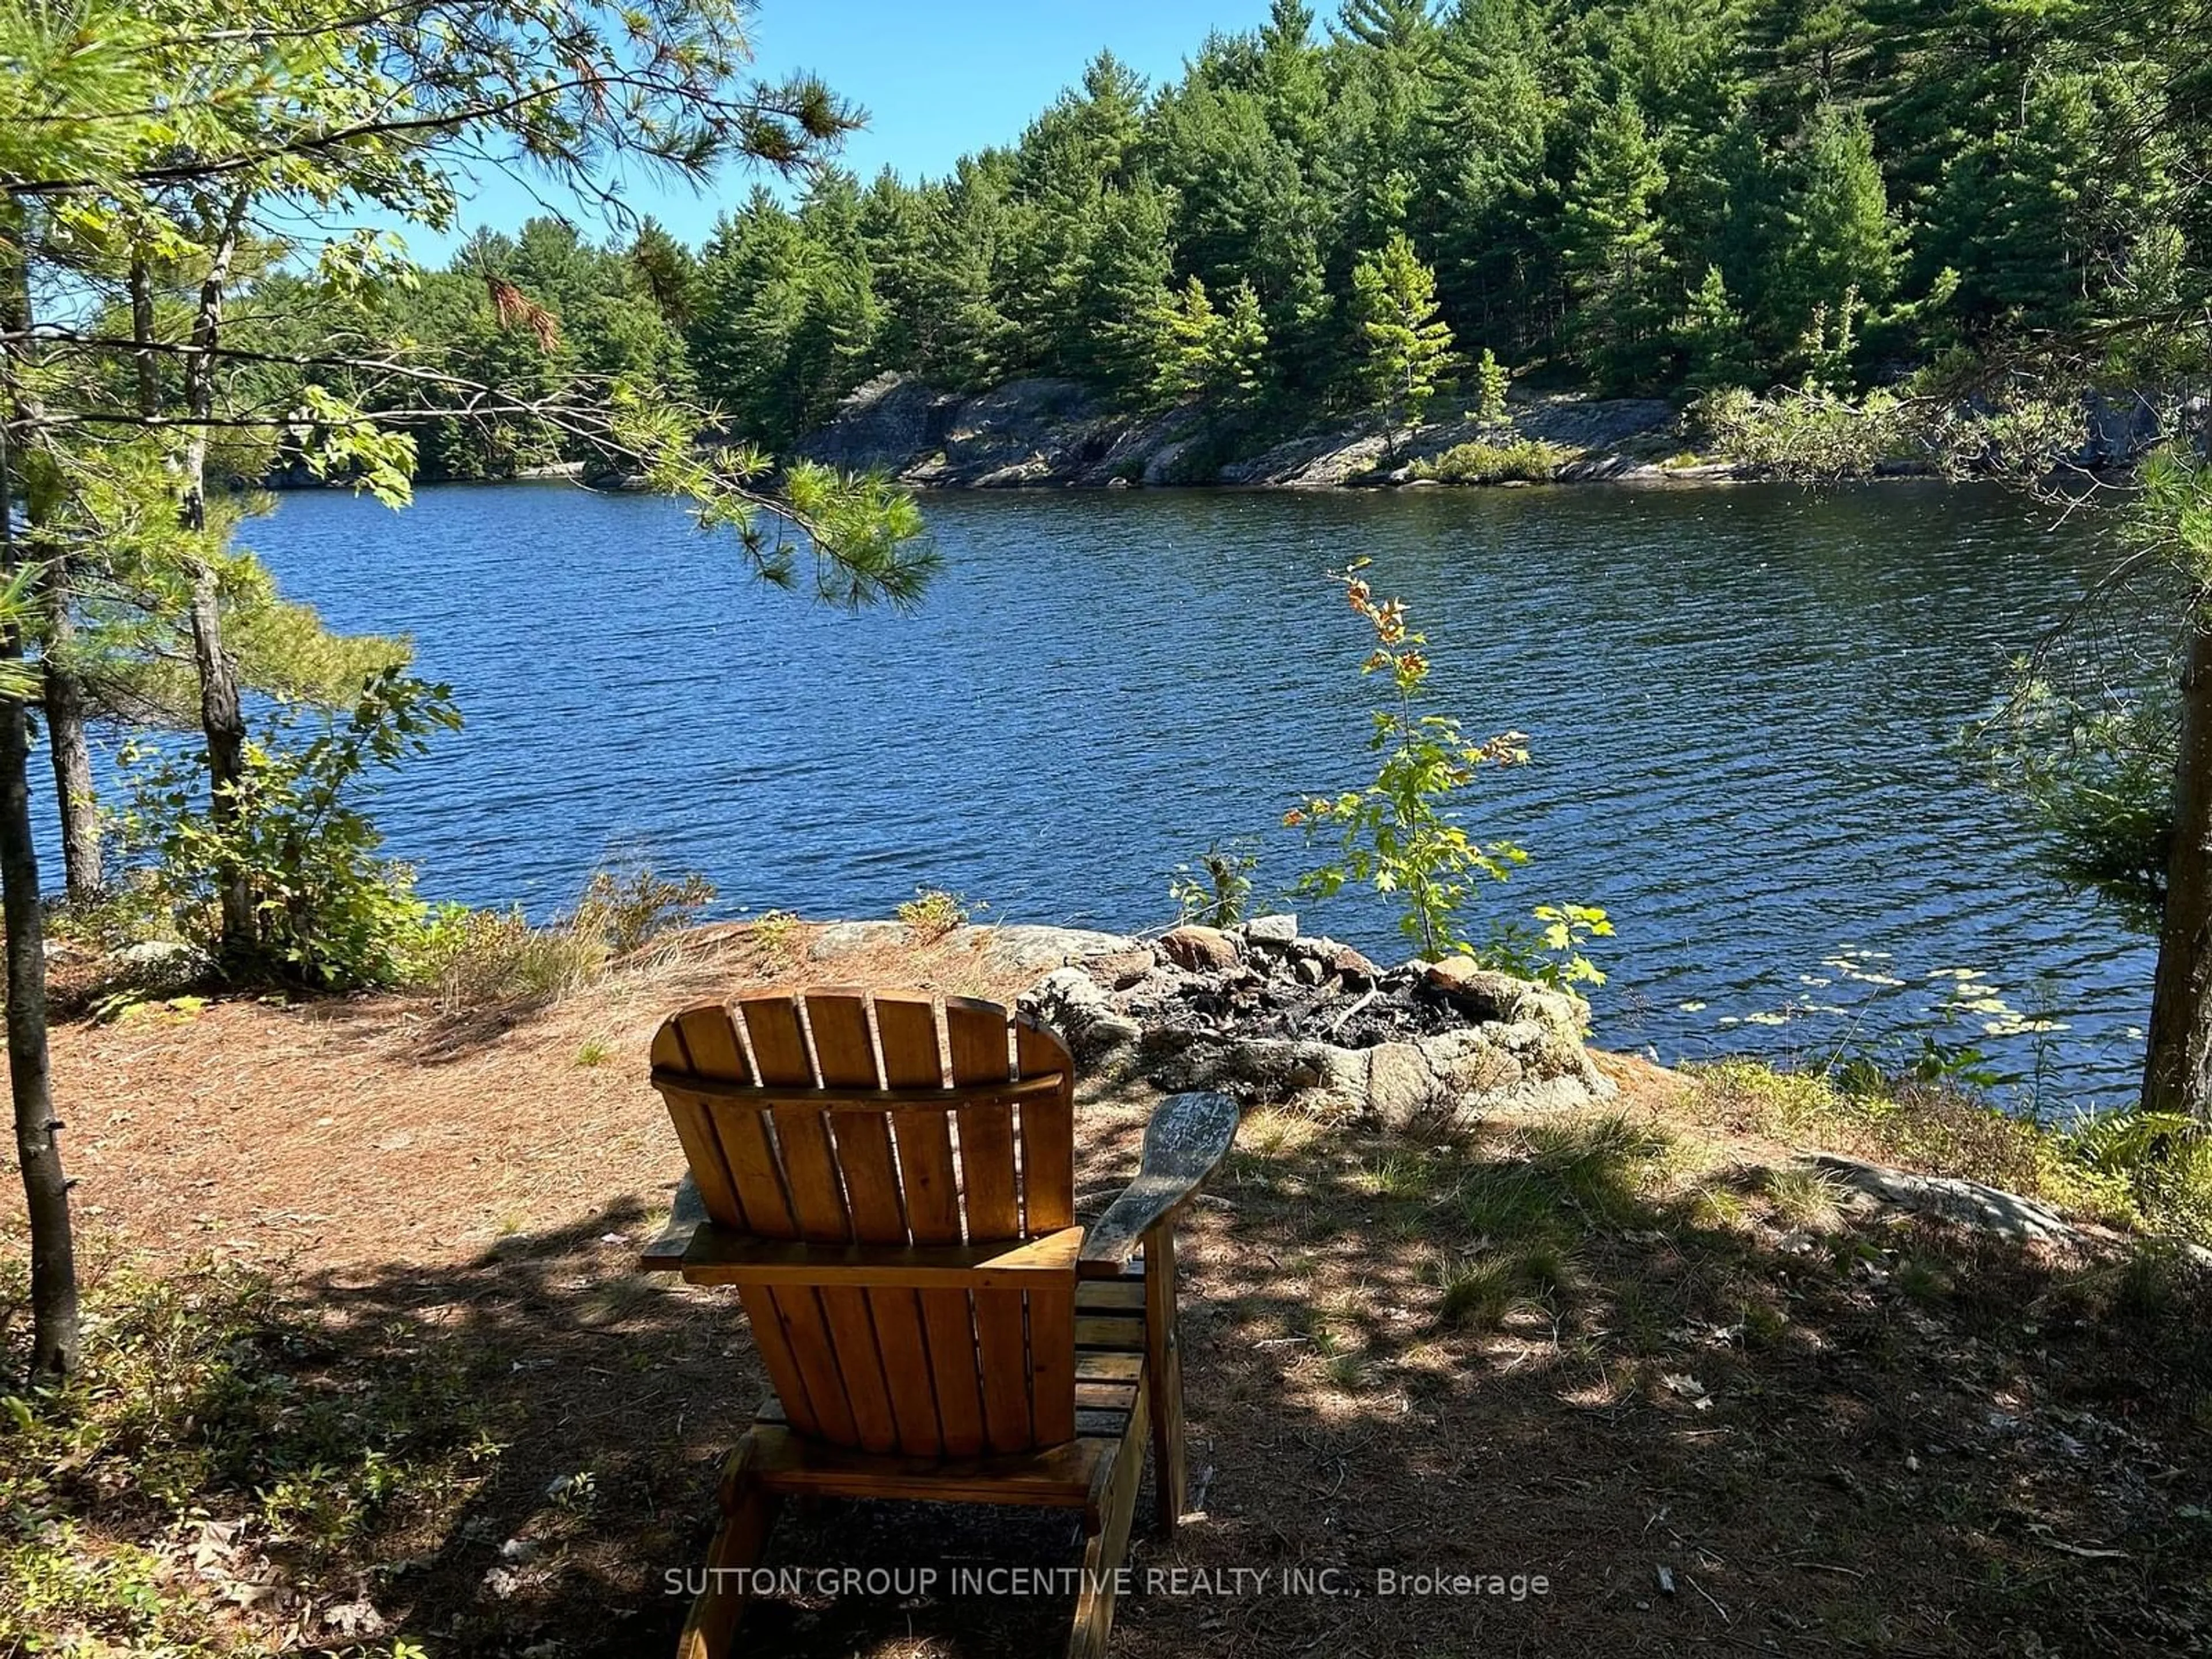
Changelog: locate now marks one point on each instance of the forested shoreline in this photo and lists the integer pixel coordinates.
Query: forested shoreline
(1393, 213)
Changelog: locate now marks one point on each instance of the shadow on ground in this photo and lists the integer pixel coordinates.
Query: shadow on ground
(1710, 1406)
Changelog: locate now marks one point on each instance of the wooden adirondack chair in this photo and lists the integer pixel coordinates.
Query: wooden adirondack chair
(934, 1324)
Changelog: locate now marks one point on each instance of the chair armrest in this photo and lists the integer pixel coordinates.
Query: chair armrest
(1184, 1143)
(717, 1257)
(685, 1216)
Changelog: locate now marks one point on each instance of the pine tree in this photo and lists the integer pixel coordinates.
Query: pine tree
(1242, 375)
(1383, 109)
(966, 340)
(1491, 382)
(1717, 350)
(1220, 354)
(1829, 339)
(1408, 345)
(894, 239)
(666, 268)
(1612, 251)
(1836, 230)
(1189, 333)
(1114, 301)
(1485, 201)
(1293, 89)
(1073, 175)
(753, 299)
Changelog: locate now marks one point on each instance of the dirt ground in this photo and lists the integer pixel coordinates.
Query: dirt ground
(1713, 1411)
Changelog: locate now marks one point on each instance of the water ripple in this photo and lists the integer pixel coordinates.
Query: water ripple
(1740, 702)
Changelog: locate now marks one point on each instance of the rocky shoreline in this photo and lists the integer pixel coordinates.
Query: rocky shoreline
(1053, 434)
(1033, 433)
(1043, 432)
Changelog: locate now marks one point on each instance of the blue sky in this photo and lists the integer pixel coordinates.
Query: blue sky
(937, 80)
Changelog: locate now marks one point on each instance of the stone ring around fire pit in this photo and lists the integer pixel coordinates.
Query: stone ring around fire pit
(1273, 1015)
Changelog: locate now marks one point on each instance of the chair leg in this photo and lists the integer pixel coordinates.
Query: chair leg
(1163, 1365)
(1109, 1545)
(749, 1511)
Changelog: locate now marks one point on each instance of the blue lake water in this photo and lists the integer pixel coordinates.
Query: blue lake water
(1740, 702)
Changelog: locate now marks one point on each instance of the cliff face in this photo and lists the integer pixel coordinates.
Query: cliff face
(1026, 432)
(1057, 432)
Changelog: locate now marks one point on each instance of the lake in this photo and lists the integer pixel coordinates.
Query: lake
(1741, 701)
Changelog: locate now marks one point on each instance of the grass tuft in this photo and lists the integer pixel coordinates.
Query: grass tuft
(1802, 1198)
(1506, 1201)
(1478, 1295)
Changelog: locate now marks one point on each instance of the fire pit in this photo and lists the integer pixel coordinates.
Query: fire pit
(1271, 1014)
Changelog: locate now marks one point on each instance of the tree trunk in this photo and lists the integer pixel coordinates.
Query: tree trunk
(2178, 1067)
(64, 701)
(45, 1189)
(222, 720)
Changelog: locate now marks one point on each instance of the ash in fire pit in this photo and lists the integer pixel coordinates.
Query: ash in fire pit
(1270, 1013)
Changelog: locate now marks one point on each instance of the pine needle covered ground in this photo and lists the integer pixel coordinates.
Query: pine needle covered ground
(373, 1372)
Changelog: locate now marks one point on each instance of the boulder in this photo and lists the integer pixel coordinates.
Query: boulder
(1272, 932)
(1122, 969)
(1023, 946)
(1399, 1085)
(1951, 1198)
(161, 964)
(1490, 995)
(841, 939)
(1476, 1062)
(1349, 966)
(1077, 1007)
(1197, 949)
(1108, 1032)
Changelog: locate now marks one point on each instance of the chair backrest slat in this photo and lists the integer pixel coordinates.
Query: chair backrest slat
(905, 1023)
(1048, 1202)
(839, 1118)
(845, 1055)
(1048, 1132)
(976, 1035)
(705, 1042)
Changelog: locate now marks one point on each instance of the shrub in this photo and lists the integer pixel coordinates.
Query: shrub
(629, 911)
(2164, 1157)
(1529, 460)
(328, 913)
(1400, 835)
(474, 958)
(776, 933)
(932, 912)
(1216, 889)
(1807, 434)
